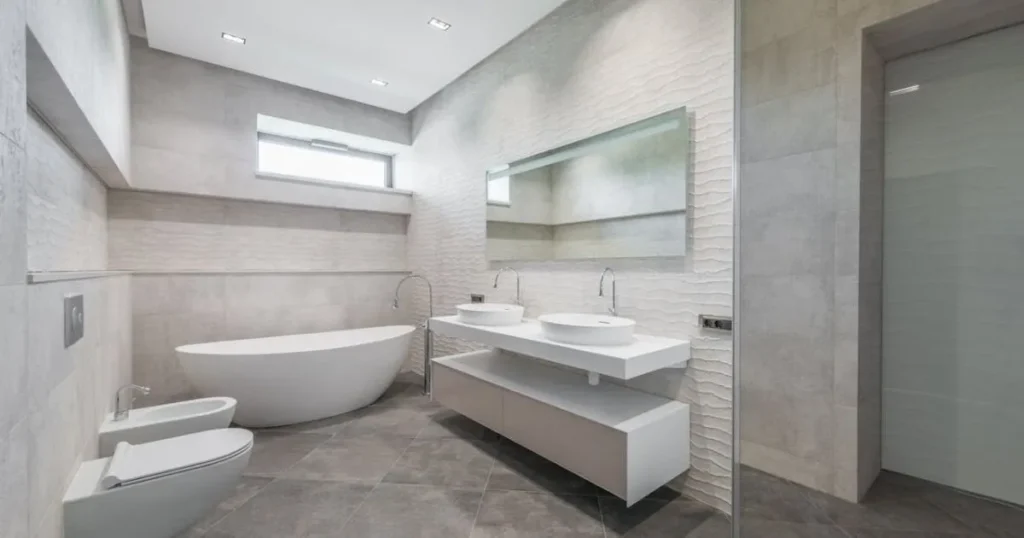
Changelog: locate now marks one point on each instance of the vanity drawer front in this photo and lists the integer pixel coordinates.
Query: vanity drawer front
(467, 395)
(589, 449)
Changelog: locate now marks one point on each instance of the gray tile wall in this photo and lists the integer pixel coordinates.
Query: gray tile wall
(88, 44)
(52, 217)
(579, 72)
(810, 239)
(194, 128)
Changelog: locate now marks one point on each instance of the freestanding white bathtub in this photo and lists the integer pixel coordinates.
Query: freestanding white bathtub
(291, 379)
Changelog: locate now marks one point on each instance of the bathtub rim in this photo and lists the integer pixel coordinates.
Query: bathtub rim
(232, 348)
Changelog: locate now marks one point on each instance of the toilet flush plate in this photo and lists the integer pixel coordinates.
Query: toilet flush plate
(74, 319)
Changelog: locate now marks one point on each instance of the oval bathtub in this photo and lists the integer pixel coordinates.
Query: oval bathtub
(290, 379)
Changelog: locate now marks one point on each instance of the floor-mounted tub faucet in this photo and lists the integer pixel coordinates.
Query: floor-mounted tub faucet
(519, 297)
(614, 310)
(124, 398)
(428, 335)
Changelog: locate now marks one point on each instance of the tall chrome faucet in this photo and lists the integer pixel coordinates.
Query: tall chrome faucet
(519, 297)
(614, 310)
(428, 344)
(124, 398)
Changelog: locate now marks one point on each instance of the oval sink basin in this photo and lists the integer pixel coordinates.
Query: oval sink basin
(587, 329)
(491, 314)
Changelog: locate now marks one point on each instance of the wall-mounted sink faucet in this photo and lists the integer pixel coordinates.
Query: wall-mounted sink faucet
(614, 310)
(428, 344)
(124, 398)
(519, 297)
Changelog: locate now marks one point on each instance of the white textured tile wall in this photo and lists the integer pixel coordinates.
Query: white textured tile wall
(164, 232)
(67, 206)
(88, 44)
(579, 72)
(173, 310)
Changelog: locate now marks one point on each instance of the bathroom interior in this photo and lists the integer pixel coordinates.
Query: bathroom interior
(560, 268)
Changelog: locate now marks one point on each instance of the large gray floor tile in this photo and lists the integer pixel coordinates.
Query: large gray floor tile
(519, 469)
(981, 516)
(879, 533)
(406, 390)
(396, 420)
(905, 514)
(445, 423)
(364, 457)
(273, 453)
(783, 529)
(522, 514)
(443, 462)
(653, 518)
(293, 509)
(246, 489)
(717, 526)
(765, 497)
(394, 510)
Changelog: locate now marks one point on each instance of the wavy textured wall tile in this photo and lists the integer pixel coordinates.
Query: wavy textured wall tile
(581, 71)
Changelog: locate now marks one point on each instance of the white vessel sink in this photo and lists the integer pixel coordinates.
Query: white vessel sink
(147, 424)
(490, 314)
(587, 329)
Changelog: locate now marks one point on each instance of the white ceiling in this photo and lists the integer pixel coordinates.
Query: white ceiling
(338, 46)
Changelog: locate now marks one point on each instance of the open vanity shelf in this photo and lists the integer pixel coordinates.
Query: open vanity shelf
(645, 355)
(628, 442)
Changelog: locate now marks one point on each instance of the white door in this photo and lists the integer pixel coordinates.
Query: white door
(953, 349)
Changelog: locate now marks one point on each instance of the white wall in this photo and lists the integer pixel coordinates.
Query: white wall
(579, 72)
(953, 259)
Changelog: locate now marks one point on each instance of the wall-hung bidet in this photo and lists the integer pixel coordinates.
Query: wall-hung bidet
(428, 344)
(155, 490)
(165, 421)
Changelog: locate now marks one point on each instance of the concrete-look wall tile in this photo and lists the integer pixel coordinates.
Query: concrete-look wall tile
(54, 449)
(13, 355)
(165, 170)
(14, 480)
(67, 206)
(13, 220)
(765, 21)
(847, 341)
(176, 294)
(846, 432)
(808, 473)
(788, 229)
(797, 123)
(12, 71)
(797, 62)
(796, 423)
(789, 323)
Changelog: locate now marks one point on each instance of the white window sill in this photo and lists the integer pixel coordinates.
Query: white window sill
(332, 184)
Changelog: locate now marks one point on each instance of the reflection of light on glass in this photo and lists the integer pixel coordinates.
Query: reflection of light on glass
(908, 89)
(298, 161)
(498, 192)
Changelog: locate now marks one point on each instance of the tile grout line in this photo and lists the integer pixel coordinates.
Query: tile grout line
(483, 493)
(379, 482)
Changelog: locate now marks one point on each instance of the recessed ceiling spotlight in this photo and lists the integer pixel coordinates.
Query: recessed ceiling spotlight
(379, 82)
(232, 38)
(439, 24)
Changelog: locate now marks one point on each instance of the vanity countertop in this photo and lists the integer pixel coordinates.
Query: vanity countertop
(646, 354)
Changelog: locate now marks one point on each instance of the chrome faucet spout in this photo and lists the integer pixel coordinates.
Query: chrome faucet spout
(614, 310)
(428, 338)
(124, 398)
(519, 297)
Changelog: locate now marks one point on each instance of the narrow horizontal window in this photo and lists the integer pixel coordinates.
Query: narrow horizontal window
(497, 191)
(323, 161)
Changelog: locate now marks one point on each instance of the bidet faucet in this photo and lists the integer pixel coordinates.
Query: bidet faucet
(614, 310)
(519, 297)
(428, 344)
(124, 398)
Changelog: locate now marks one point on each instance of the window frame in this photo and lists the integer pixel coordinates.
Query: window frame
(388, 160)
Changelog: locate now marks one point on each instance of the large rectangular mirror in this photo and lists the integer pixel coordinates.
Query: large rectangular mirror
(619, 194)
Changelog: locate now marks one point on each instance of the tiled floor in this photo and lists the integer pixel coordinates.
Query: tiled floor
(897, 506)
(405, 467)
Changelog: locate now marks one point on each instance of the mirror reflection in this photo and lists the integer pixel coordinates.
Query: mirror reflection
(620, 194)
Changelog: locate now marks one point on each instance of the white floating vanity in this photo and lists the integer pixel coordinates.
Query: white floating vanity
(626, 441)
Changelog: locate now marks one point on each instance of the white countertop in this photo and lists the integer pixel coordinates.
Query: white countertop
(646, 354)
